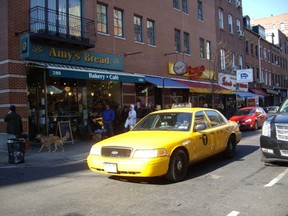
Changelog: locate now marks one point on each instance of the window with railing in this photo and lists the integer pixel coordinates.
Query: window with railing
(60, 19)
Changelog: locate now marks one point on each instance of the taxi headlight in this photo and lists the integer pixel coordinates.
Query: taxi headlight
(95, 150)
(150, 153)
(266, 129)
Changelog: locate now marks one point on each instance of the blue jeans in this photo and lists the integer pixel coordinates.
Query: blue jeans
(109, 127)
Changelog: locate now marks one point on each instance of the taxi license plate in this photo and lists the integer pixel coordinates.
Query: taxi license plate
(110, 167)
(284, 152)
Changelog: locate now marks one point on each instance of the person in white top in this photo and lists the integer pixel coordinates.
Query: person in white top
(131, 119)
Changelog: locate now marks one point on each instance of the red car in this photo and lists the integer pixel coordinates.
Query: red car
(250, 117)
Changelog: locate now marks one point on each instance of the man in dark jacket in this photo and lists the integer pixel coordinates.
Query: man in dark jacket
(108, 116)
(14, 123)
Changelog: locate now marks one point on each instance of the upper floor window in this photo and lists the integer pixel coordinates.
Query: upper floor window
(202, 48)
(200, 11)
(247, 46)
(208, 50)
(177, 40)
(232, 59)
(238, 24)
(252, 49)
(118, 23)
(240, 61)
(222, 59)
(185, 6)
(221, 18)
(151, 32)
(186, 43)
(176, 4)
(138, 35)
(102, 18)
(230, 23)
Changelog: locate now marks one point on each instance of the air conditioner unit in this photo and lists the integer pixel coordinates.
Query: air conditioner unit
(240, 33)
(238, 3)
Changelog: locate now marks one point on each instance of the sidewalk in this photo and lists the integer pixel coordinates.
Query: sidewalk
(73, 153)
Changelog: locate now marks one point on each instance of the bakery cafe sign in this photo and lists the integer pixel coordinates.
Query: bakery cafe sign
(182, 69)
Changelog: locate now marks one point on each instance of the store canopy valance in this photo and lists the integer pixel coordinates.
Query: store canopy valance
(259, 92)
(245, 95)
(206, 87)
(162, 82)
(76, 72)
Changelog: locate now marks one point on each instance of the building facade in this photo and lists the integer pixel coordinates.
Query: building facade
(63, 60)
(268, 61)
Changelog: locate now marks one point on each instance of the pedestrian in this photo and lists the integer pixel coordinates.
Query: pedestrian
(96, 128)
(131, 119)
(108, 116)
(14, 123)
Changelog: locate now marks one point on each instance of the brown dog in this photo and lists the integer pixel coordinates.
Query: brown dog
(47, 141)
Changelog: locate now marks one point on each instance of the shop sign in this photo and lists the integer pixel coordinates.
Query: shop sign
(95, 76)
(229, 81)
(42, 52)
(244, 75)
(197, 72)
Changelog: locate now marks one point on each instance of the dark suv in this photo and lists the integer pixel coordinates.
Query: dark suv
(274, 138)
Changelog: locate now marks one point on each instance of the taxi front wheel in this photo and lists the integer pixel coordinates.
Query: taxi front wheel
(178, 166)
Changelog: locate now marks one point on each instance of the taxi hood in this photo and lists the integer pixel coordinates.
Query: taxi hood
(145, 139)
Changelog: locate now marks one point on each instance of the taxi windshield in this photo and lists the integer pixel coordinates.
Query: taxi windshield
(172, 121)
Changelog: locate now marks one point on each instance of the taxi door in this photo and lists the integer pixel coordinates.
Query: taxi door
(219, 130)
(202, 143)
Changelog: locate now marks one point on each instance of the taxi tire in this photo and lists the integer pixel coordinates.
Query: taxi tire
(230, 150)
(178, 166)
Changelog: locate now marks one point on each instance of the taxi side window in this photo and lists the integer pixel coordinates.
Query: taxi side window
(200, 121)
(215, 118)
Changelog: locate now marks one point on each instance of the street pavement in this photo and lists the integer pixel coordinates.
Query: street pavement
(73, 153)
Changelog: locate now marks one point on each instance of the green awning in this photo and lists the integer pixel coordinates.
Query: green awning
(75, 72)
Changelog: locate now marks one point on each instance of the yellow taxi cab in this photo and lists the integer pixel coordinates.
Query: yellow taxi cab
(165, 143)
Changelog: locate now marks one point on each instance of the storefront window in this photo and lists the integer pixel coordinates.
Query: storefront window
(52, 100)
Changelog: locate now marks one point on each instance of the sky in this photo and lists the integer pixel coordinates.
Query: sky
(264, 8)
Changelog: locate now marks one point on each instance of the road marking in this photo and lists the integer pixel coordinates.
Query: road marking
(275, 180)
(233, 213)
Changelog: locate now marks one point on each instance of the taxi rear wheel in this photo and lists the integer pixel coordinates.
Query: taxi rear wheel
(230, 150)
(178, 166)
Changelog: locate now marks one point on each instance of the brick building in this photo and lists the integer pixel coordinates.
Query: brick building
(269, 60)
(61, 60)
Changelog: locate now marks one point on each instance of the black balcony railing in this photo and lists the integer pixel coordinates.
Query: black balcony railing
(52, 25)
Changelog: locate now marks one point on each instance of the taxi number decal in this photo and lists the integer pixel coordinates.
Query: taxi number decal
(205, 139)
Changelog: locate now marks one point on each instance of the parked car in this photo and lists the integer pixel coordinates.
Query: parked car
(165, 143)
(250, 117)
(274, 138)
(270, 110)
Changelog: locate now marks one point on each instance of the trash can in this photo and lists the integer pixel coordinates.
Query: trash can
(16, 150)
